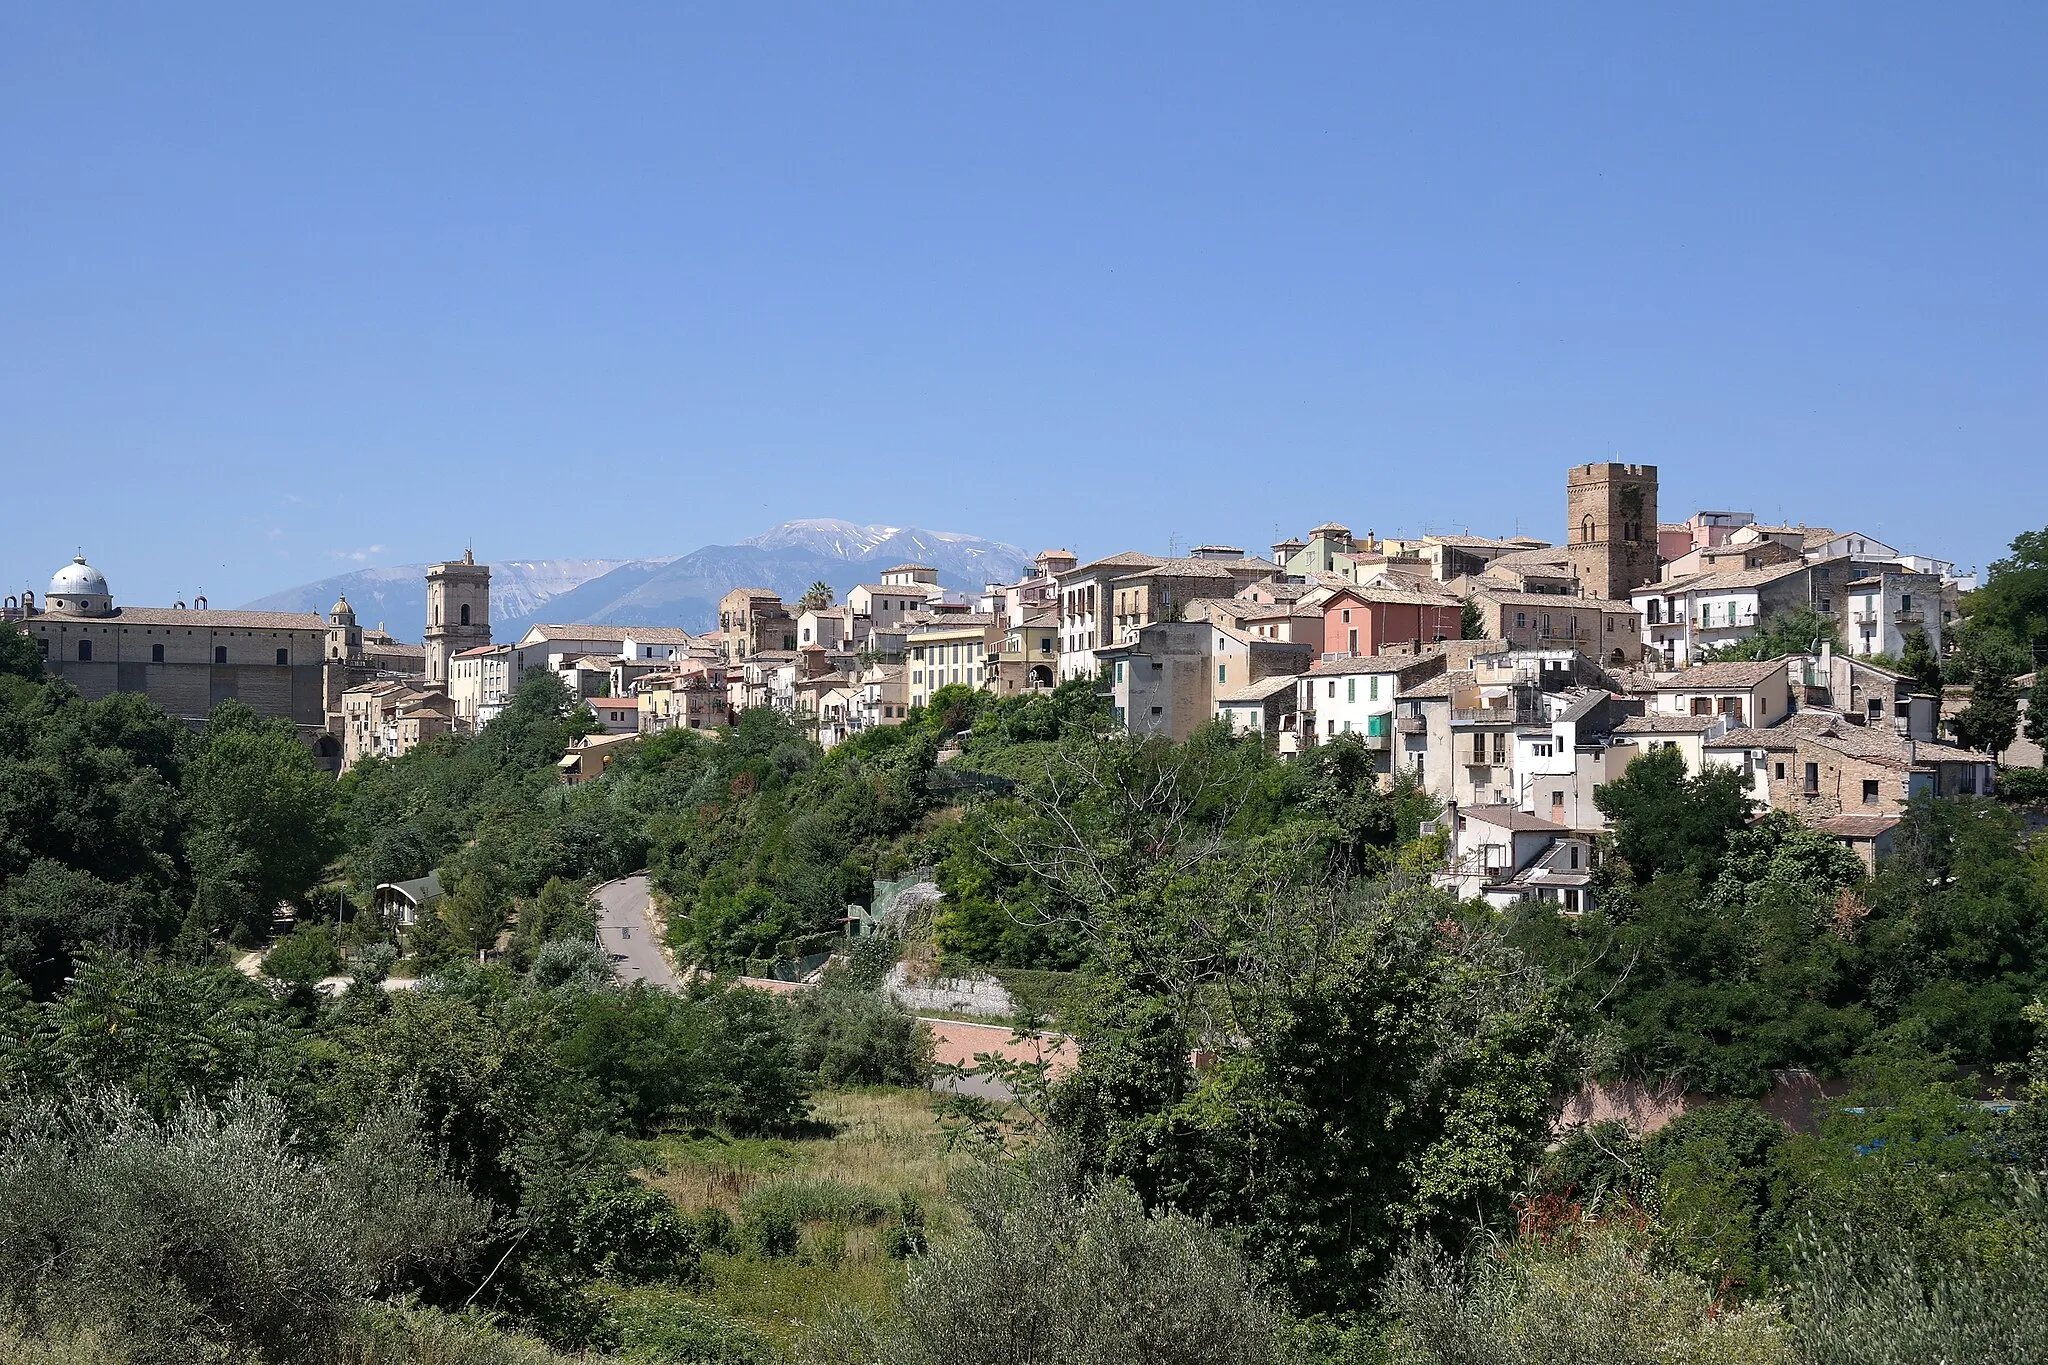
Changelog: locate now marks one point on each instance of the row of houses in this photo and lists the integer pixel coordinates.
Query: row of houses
(1508, 677)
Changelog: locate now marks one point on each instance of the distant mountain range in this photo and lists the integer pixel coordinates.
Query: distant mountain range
(679, 591)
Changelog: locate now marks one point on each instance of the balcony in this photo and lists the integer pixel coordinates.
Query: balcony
(1738, 620)
(1497, 715)
(1410, 725)
(1378, 743)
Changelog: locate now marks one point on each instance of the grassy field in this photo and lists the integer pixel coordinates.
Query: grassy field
(846, 1185)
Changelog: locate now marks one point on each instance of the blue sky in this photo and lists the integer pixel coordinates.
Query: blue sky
(286, 290)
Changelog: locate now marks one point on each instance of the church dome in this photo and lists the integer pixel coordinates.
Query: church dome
(341, 613)
(78, 579)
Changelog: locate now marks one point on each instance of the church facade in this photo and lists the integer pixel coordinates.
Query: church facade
(292, 666)
(187, 660)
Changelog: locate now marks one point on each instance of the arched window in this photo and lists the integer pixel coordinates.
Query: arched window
(465, 613)
(1586, 528)
(85, 651)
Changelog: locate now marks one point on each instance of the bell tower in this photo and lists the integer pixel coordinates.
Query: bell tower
(1611, 527)
(458, 612)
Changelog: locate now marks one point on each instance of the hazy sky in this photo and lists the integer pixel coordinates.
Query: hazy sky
(288, 289)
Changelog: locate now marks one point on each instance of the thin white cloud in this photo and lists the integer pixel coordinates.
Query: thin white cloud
(357, 556)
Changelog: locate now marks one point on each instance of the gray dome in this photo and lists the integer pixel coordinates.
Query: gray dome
(78, 579)
(341, 613)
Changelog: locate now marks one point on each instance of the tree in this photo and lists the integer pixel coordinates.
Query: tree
(303, 957)
(817, 597)
(261, 819)
(1054, 1273)
(2014, 598)
(1664, 821)
(1919, 663)
(1471, 622)
(207, 1233)
(2037, 708)
(1988, 663)
(1801, 630)
(20, 654)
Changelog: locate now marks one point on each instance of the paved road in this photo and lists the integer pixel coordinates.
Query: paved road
(626, 931)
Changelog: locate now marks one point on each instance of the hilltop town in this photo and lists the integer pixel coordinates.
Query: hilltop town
(1508, 676)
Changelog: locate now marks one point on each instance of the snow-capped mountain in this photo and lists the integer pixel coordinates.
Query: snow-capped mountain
(682, 590)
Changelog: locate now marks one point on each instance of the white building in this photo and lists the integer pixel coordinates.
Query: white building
(1684, 617)
(1887, 607)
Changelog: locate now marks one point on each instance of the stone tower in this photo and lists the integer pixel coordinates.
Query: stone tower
(1611, 527)
(458, 612)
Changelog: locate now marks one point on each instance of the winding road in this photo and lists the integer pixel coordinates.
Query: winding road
(626, 929)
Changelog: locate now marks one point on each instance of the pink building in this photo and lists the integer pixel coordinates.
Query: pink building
(1367, 621)
(1703, 530)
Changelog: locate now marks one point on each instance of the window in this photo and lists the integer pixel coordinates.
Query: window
(1351, 641)
(1877, 708)
(1827, 604)
(85, 651)
(465, 613)
(1869, 791)
(1500, 747)
(1653, 613)
(1333, 727)
(284, 657)
(1813, 779)
(1779, 772)
(1478, 748)
(1375, 687)
(1347, 616)
(1351, 689)
(1333, 687)
(1521, 620)
(156, 654)
(1557, 799)
(220, 654)
(1575, 853)
(1221, 670)
(1119, 670)
(1906, 602)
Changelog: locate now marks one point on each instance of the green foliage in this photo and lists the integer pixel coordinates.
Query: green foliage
(716, 1056)
(91, 827)
(205, 1231)
(772, 839)
(1471, 622)
(1919, 663)
(772, 1217)
(20, 655)
(2014, 599)
(490, 809)
(846, 1036)
(167, 1033)
(1049, 1272)
(259, 819)
(1663, 821)
(304, 956)
(1597, 1296)
(1987, 663)
(634, 1235)
(1800, 630)
(667, 1330)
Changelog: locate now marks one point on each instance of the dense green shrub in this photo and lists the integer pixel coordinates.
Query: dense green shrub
(632, 1234)
(1594, 1298)
(1046, 1272)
